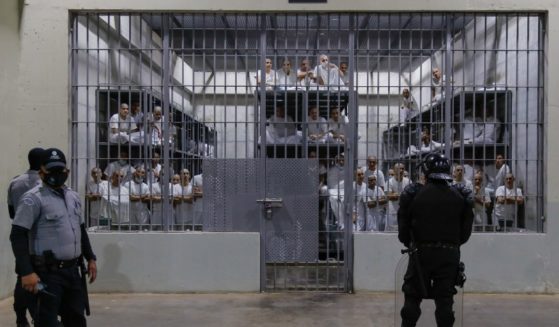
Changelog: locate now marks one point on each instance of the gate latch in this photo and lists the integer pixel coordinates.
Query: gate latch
(269, 204)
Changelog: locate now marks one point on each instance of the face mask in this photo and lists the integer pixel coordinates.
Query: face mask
(56, 179)
(138, 179)
(324, 64)
(122, 162)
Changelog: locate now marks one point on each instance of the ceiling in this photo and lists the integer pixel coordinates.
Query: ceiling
(391, 41)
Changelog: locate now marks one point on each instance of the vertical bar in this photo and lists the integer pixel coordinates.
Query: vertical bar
(447, 86)
(542, 71)
(166, 103)
(73, 40)
(262, 162)
(526, 128)
(351, 153)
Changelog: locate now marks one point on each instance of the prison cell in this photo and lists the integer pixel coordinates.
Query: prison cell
(280, 110)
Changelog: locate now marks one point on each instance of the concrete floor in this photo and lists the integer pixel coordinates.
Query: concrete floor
(298, 309)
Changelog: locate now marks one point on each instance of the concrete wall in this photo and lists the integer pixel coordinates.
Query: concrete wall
(177, 262)
(512, 262)
(34, 85)
(10, 165)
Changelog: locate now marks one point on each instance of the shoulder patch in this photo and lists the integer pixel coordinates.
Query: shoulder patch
(27, 200)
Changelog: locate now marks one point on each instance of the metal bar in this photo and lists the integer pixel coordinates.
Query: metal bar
(541, 194)
(448, 88)
(352, 155)
(166, 104)
(262, 162)
(73, 40)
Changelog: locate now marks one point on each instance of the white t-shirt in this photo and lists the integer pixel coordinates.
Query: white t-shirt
(469, 172)
(95, 206)
(184, 211)
(138, 209)
(345, 78)
(480, 215)
(506, 211)
(136, 188)
(270, 77)
(438, 86)
(378, 174)
(318, 126)
(175, 190)
(307, 81)
(157, 127)
(499, 179)
(479, 131)
(431, 146)
(96, 188)
(152, 172)
(281, 127)
(156, 207)
(335, 175)
(409, 108)
(374, 195)
(467, 184)
(122, 125)
(490, 130)
(397, 187)
(286, 79)
(359, 192)
(338, 127)
(197, 181)
(330, 76)
(115, 204)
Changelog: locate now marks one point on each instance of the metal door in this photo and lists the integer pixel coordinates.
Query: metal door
(278, 198)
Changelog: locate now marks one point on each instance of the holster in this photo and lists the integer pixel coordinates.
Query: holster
(44, 263)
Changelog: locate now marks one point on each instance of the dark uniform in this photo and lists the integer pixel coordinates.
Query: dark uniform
(438, 218)
(18, 186)
(48, 239)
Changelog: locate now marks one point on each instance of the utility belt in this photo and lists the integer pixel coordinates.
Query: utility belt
(49, 263)
(439, 245)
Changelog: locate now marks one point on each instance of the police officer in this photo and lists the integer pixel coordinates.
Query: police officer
(435, 219)
(18, 186)
(48, 239)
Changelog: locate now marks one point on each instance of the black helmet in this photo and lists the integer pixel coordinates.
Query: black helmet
(436, 166)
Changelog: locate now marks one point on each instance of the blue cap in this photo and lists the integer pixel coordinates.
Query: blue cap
(53, 158)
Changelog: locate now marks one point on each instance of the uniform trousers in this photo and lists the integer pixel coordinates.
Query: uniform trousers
(22, 302)
(67, 299)
(440, 268)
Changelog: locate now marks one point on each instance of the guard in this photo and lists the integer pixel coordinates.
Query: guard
(49, 242)
(434, 220)
(18, 186)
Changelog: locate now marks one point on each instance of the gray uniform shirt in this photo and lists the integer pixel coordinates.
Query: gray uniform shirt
(53, 220)
(21, 184)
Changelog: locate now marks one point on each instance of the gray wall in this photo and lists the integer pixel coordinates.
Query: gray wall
(177, 262)
(35, 83)
(511, 262)
(14, 164)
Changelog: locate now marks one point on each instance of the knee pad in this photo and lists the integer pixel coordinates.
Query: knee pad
(410, 312)
(444, 313)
